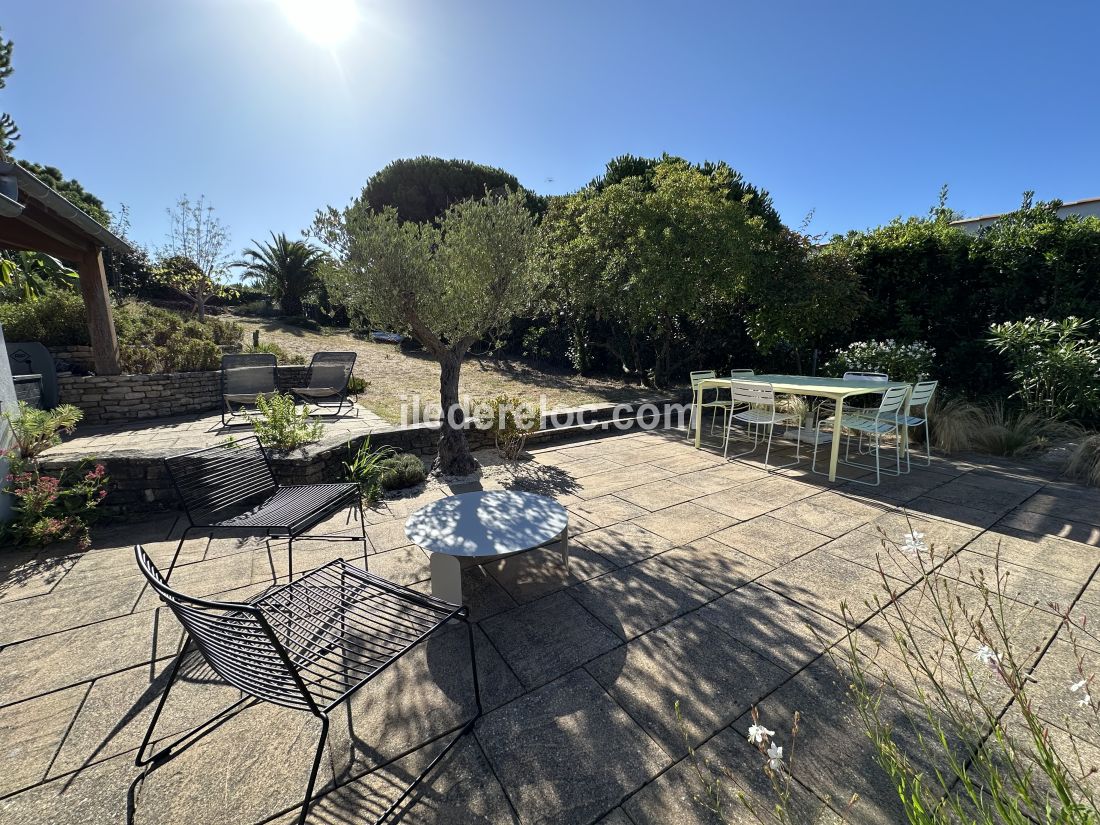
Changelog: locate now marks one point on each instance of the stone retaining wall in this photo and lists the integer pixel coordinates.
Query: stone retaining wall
(117, 399)
(141, 483)
(80, 356)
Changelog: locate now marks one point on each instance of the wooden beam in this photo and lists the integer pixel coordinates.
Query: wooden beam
(17, 234)
(97, 304)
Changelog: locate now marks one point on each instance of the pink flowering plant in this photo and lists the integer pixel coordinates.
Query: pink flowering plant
(52, 508)
(49, 508)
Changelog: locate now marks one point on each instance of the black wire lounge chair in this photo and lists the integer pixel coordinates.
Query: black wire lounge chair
(309, 645)
(245, 377)
(231, 486)
(327, 381)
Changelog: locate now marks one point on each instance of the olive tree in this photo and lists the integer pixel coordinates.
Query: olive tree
(447, 283)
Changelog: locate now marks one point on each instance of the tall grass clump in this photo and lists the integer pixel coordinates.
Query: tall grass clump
(1084, 461)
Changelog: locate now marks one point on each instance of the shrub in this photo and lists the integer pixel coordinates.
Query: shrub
(1084, 461)
(1002, 430)
(1055, 365)
(48, 508)
(902, 362)
(281, 355)
(280, 424)
(510, 420)
(357, 385)
(34, 431)
(400, 471)
(364, 468)
(56, 319)
(952, 424)
(155, 340)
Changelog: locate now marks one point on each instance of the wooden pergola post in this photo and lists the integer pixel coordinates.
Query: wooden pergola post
(97, 305)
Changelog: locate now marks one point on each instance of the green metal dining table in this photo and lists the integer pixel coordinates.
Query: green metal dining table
(835, 389)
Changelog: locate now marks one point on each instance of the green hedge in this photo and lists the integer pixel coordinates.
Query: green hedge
(929, 281)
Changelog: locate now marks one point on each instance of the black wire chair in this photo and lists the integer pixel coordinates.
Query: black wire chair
(308, 645)
(245, 377)
(327, 381)
(231, 486)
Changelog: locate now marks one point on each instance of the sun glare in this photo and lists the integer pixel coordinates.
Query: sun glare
(325, 22)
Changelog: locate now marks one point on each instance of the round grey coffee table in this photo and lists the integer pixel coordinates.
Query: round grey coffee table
(476, 528)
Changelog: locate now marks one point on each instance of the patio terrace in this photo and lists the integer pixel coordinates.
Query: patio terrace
(692, 579)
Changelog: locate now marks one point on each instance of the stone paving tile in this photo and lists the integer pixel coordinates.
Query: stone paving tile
(1067, 501)
(988, 495)
(815, 514)
(771, 539)
(714, 678)
(717, 565)
(116, 712)
(1023, 584)
(404, 565)
(757, 498)
(248, 769)
(388, 535)
(96, 795)
(542, 640)
(952, 511)
(615, 480)
(945, 536)
(821, 581)
(428, 692)
(24, 574)
(606, 510)
(658, 494)
(567, 752)
(532, 575)
(623, 544)
(1041, 524)
(717, 479)
(48, 663)
(676, 797)
(461, 789)
(782, 631)
(685, 522)
(1058, 557)
(33, 731)
(829, 758)
(637, 598)
(677, 462)
(66, 609)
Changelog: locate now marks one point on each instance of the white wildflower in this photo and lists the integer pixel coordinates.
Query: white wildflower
(775, 757)
(914, 542)
(758, 733)
(988, 657)
(1086, 698)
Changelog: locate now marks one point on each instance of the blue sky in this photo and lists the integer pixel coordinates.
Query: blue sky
(858, 111)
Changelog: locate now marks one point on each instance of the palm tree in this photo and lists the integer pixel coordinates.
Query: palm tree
(284, 269)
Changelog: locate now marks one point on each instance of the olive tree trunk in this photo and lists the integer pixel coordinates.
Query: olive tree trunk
(454, 450)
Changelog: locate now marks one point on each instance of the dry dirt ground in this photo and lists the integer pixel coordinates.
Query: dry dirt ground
(398, 378)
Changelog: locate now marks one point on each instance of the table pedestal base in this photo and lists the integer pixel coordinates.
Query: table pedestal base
(447, 570)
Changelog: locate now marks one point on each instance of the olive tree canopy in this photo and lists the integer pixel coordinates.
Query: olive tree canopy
(448, 283)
